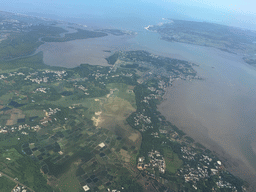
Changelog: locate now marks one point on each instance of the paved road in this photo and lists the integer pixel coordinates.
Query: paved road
(2, 174)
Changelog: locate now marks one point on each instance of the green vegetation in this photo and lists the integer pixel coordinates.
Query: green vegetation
(123, 91)
(226, 38)
(35, 62)
(25, 43)
(10, 156)
(58, 169)
(173, 163)
(69, 182)
(189, 139)
(171, 65)
(116, 32)
(130, 66)
(126, 182)
(80, 34)
(233, 180)
(89, 125)
(221, 34)
(6, 185)
(28, 172)
(113, 58)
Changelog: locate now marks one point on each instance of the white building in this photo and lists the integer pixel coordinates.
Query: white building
(86, 188)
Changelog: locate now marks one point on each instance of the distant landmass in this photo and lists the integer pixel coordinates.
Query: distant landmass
(230, 39)
(21, 35)
(97, 128)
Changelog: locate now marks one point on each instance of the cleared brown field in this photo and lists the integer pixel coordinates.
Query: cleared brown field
(15, 115)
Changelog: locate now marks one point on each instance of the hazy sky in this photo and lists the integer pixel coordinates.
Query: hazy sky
(233, 12)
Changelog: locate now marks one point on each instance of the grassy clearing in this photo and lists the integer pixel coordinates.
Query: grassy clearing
(32, 113)
(11, 154)
(4, 118)
(118, 107)
(114, 115)
(9, 142)
(6, 97)
(15, 115)
(172, 161)
(99, 159)
(68, 181)
(9, 172)
(124, 91)
(90, 103)
(2, 166)
(134, 155)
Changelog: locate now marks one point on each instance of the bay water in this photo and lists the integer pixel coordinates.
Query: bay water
(219, 111)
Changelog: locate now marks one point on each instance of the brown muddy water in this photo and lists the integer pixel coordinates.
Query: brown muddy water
(219, 111)
(87, 51)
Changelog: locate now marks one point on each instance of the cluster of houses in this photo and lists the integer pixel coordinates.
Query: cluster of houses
(59, 74)
(193, 174)
(13, 129)
(114, 190)
(224, 184)
(42, 90)
(3, 36)
(3, 130)
(2, 76)
(155, 134)
(81, 87)
(156, 160)
(100, 75)
(144, 120)
(8, 25)
(48, 114)
(171, 135)
(206, 168)
(51, 111)
(37, 79)
(34, 77)
(187, 153)
(18, 188)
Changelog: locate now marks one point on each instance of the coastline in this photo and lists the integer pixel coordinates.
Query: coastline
(223, 76)
(236, 163)
(221, 103)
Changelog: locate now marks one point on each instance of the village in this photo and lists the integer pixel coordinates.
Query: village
(47, 91)
(156, 160)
